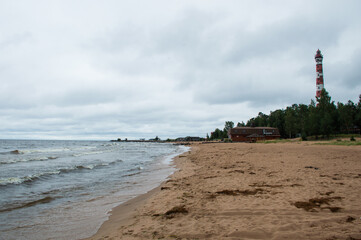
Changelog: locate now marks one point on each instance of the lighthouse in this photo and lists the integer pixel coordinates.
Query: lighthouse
(319, 73)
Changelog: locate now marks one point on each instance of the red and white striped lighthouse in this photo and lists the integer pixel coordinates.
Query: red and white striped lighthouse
(319, 73)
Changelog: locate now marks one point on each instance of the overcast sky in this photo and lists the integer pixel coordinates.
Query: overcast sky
(106, 69)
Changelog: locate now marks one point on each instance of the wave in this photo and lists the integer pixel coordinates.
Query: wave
(29, 160)
(28, 151)
(27, 204)
(26, 179)
(116, 161)
(45, 150)
(12, 152)
(34, 177)
(110, 144)
(131, 174)
(87, 153)
(138, 170)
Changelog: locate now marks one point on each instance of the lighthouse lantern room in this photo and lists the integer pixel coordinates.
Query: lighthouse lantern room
(319, 73)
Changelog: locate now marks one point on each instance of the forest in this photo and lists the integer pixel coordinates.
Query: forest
(321, 119)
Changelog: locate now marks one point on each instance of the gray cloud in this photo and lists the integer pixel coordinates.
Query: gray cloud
(87, 69)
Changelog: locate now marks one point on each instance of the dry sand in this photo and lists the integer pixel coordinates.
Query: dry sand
(250, 191)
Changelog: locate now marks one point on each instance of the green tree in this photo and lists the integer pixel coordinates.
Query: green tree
(303, 115)
(346, 114)
(312, 126)
(217, 134)
(262, 120)
(323, 118)
(277, 120)
(227, 126)
(357, 120)
(327, 113)
(291, 121)
(251, 123)
(241, 124)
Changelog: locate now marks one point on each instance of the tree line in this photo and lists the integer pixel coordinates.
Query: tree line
(320, 119)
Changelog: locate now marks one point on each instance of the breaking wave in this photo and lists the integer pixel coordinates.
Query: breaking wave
(27, 204)
(45, 150)
(12, 161)
(87, 153)
(34, 177)
(27, 151)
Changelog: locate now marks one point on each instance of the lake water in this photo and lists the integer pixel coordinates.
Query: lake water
(65, 189)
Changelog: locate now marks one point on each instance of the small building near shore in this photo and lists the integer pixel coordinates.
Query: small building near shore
(253, 134)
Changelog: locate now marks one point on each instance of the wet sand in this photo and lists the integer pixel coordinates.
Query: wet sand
(250, 191)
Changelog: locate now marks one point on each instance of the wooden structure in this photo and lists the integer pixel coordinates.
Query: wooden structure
(253, 134)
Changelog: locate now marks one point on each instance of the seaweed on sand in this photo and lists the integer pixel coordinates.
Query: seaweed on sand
(176, 210)
(317, 202)
(241, 192)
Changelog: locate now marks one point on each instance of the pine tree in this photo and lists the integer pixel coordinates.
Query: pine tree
(327, 114)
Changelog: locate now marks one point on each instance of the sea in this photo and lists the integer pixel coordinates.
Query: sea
(66, 189)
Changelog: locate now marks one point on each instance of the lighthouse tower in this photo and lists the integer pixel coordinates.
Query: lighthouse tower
(319, 73)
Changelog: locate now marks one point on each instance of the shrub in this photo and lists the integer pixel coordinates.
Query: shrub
(304, 137)
(226, 140)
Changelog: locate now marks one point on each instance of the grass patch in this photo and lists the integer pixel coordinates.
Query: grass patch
(333, 137)
(340, 143)
(276, 141)
(338, 139)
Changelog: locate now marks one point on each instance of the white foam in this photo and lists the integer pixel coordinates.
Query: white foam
(181, 149)
(19, 180)
(87, 153)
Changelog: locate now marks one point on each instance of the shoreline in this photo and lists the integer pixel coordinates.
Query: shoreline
(123, 214)
(249, 191)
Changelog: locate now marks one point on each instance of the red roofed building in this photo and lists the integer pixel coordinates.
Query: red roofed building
(253, 134)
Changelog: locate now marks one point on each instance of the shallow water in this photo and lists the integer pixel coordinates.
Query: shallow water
(65, 189)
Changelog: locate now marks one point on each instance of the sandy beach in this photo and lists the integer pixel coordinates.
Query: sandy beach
(295, 190)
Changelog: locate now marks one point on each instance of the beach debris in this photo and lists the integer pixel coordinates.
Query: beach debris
(350, 219)
(210, 177)
(157, 235)
(211, 195)
(237, 171)
(316, 168)
(296, 185)
(241, 192)
(352, 238)
(328, 193)
(333, 209)
(317, 202)
(263, 184)
(16, 152)
(176, 210)
(229, 192)
(172, 212)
